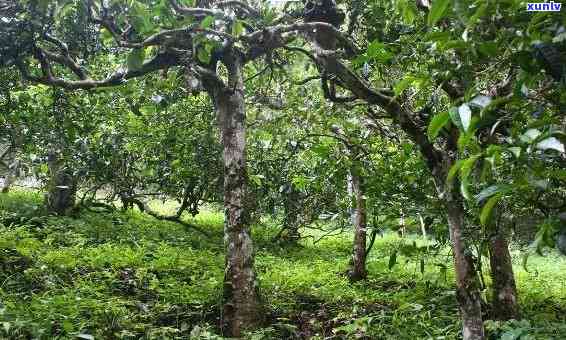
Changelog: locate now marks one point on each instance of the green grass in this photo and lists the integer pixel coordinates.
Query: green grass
(128, 276)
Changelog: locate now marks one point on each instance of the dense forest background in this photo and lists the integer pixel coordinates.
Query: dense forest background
(203, 169)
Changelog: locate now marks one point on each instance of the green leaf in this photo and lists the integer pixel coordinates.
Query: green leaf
(64, 9)
(176, 163)
(237, 28)
(392, 259)
(452, 44)
(515, 151)
(85, 336)
(488, 49)
(403, 84)
(106, 36)
(207, 21)
(436, 124)
(68, 326)
(135, 59)
(322, 150)
(466, 140)
(408, 10)
(257, 179)
(466, 169)
(477, 15)
(455, 117)
(454, 170)
(140, 18)
(437, 11)
(465, 189)
(530, 135)
(468, 165)
(465, 114)
(203, 55)
(378, 51)
(487, 209)
(492, 190)
(439, 37)
(551, 143)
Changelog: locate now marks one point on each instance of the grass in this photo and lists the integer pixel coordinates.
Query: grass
(127, 276)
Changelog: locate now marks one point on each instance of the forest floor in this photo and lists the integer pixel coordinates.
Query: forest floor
(127, 276)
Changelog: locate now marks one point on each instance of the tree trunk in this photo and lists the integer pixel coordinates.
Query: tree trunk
(62, 188)
(467, 285)
(350, 191)
(423, 227)
(358, 270)
(241, 308)
(401, 231)
(505, 301)
(292, 211)
(14, 167)
(11, 176)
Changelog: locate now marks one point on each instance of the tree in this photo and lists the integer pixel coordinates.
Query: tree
(460, 56)
(213, 45)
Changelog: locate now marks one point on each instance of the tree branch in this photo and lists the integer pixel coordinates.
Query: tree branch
(400, 115)
(144, 207)
(276, 33)
(306, 80)
(160, 61)
(64, 58)
(202, 12)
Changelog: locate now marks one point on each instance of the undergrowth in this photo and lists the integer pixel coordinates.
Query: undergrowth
(101, 275)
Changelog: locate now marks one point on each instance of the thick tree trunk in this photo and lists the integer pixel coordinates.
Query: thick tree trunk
(358, 270)
(467, 285)
(62, 188)
(505, 302)
(241, 308)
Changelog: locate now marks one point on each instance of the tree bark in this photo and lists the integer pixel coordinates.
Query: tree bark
(292, 209)
(11, 176)
(438, 161)
(358, 270)
(62, 187)
(505, 299)
(467, 285)
(423, 227)
(401, 223)
(14, 167)
(241, 305)
(350, 191)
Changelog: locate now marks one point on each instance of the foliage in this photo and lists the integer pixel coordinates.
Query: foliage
(123, 275)
(440, 107)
